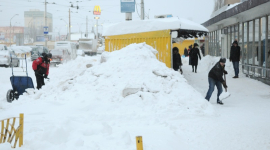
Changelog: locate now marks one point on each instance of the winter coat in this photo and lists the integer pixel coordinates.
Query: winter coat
(193, 56)
(40, 66)
(202, 48)
(216, 72)
(177, 61)
(235, 53)
(186, 52)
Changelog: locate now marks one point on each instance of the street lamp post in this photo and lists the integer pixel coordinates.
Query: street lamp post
(67, 27)
(10, 30)
(97, 25)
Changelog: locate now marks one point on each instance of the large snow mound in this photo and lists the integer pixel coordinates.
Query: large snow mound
(118, 96)
(139, 26)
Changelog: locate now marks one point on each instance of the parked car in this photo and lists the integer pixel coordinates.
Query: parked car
(5, 59)
(80, 52)
(37, 51)
(101, 49)
(3, 47)
(60, 56)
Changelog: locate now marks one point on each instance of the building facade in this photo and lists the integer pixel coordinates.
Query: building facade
(34, 23)
(248, 22)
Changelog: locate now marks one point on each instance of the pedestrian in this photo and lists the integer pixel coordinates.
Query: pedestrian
(41, 67)
(177, 62)
(185, 52)
(215, 79)
(203, 49)
(235, 58)
(189, 49)
(193, 56)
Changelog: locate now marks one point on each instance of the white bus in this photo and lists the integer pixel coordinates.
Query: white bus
(70, 46)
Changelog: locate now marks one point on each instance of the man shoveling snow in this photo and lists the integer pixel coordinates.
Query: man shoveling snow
(215, 79)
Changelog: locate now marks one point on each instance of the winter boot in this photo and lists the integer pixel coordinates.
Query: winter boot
(235, 77)
(219, 102)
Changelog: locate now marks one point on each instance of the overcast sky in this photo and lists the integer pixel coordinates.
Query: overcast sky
(196, 10)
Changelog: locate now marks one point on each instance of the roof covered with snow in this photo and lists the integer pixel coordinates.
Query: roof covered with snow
(138, 26)
(224, 8)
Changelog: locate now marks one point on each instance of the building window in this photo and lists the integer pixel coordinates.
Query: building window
(244, 49)
(268, 48)
(250, 43)
(256, 43)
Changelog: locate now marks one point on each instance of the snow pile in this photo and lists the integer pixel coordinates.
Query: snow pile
(138, 26)
(118, 96)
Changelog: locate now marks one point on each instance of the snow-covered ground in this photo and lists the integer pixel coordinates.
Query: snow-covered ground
(129, 93)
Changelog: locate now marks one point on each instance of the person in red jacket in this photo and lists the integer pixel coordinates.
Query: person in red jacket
(41, 67)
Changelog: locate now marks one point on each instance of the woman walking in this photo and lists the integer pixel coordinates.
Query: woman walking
(193, 56)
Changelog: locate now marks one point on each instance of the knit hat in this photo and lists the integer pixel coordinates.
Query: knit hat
(235, 42)
(223, 60)
(195, 44)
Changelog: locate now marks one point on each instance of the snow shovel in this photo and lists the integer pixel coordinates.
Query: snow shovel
(225, 94)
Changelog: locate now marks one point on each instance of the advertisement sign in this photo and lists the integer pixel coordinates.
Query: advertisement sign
(127, 6)
(97, 10)
(40, 39)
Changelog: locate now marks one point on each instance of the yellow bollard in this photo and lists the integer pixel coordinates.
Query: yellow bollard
(139, 143)
(21, 130)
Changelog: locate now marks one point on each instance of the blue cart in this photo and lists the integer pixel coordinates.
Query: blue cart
(19, 85)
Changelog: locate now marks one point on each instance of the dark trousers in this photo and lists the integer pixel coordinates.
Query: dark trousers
(212, 84)
(195, 68)
(40, 81)
(236, 67)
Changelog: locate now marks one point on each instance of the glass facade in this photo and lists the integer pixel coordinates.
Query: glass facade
(254, 39)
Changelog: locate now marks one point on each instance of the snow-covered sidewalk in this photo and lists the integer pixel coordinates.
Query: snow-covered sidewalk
(243, 121)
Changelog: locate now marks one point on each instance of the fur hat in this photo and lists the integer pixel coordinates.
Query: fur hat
(175, 49)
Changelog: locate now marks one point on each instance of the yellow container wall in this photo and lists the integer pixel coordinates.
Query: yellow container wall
(159, 40)
(183, 45)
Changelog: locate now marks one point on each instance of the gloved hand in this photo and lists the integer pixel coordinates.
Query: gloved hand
(45, 76)
(225, 72)
(181, 71)
(224, 85)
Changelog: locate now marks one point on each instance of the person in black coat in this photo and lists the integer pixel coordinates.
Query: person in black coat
(177, 62)
(203, 49)
(185, 52)
(215, 79)
(235, 57)
(193, 56)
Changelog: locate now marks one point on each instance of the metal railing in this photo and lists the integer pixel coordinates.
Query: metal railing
(256, 72)
(8, 131)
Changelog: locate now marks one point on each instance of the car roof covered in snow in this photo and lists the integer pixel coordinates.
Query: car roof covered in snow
(139, 26)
